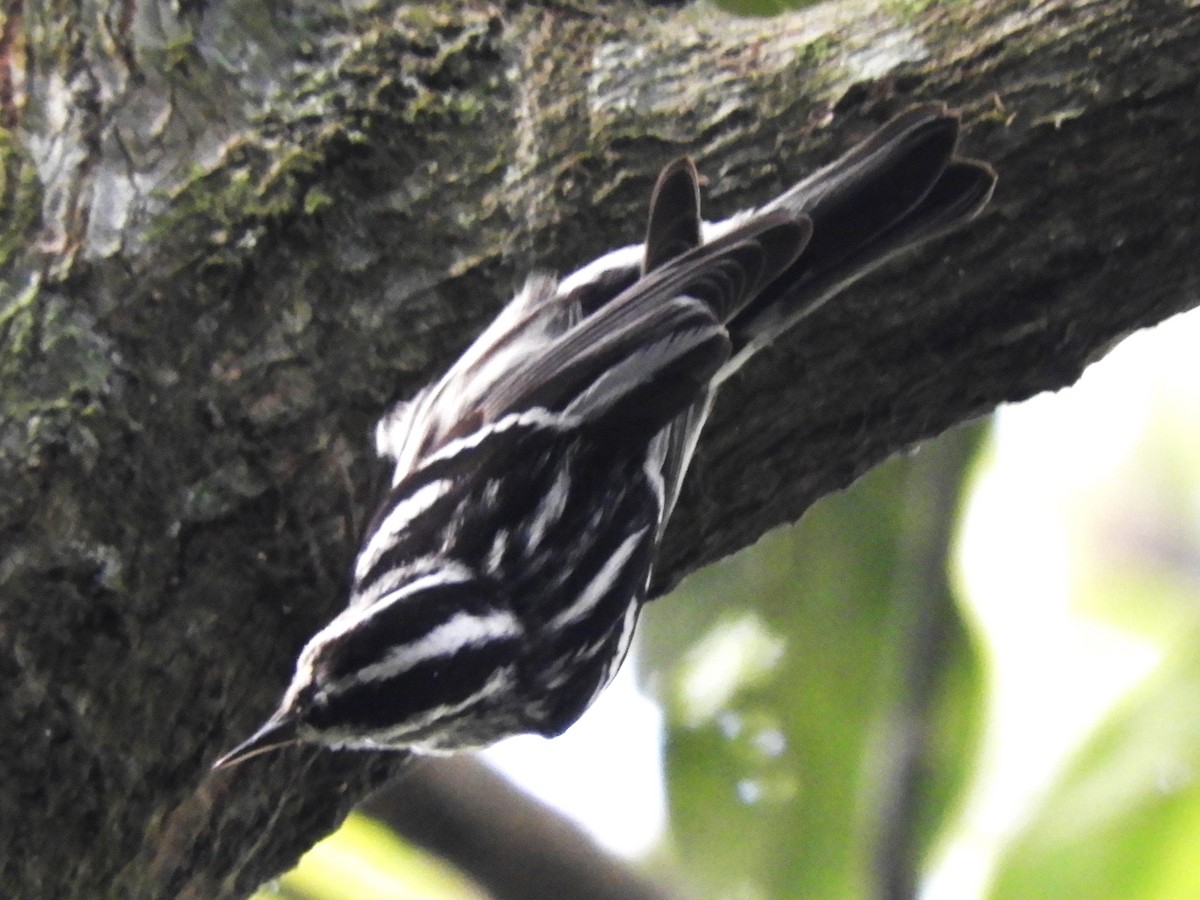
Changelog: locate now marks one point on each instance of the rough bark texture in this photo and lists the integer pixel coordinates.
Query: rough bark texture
(228, 239)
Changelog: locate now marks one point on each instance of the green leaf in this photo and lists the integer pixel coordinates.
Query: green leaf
(1123, 820)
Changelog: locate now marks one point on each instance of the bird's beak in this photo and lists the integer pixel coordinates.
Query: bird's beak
(280, 731)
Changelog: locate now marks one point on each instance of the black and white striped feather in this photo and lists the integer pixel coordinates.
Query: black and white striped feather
(501, 578)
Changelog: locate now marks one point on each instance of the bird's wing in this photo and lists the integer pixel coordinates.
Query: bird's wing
(661, 339)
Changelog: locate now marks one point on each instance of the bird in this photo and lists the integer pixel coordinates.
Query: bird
(499, 582)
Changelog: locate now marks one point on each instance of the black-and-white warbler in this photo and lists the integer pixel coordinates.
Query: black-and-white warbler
(498, 586)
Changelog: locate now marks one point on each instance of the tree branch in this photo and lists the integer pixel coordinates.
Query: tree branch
(515, 848)
(227, 240)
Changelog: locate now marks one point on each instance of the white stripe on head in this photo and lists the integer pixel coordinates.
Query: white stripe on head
(460, 632)
(398, 518)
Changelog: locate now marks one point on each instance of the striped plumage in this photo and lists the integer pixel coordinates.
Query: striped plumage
(498, 587)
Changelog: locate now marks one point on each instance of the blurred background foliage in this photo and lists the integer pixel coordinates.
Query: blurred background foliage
(969, 675)
(778, 772)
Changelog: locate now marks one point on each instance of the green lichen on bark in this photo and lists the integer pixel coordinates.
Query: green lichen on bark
(414, 75)
(20, 199)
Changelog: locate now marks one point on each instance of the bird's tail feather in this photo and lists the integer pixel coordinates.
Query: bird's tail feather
(897, 189)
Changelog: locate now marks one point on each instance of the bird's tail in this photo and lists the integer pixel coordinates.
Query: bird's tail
(900, 187)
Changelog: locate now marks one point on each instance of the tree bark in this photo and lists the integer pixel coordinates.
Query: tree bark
(229, 236)
(461, 810)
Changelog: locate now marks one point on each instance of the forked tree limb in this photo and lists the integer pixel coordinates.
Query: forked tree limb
(228, 240)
